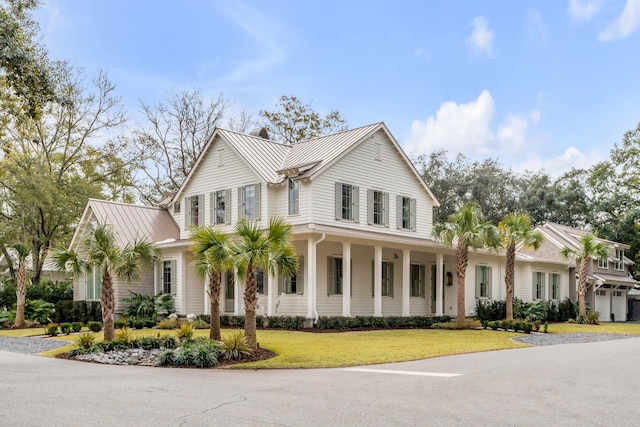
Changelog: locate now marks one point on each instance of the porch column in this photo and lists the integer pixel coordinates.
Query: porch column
(346, 279)
(439, 284)
(183, 288)
(272, 289)
(236, 292)
(406, 282)
(311, 289)
(377, 281)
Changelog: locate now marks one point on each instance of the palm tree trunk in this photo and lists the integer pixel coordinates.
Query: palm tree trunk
(21, 294)
(462, 258)
(250, 302)
(214, 298)
(582, 286)
(508, 279)
(107, 302)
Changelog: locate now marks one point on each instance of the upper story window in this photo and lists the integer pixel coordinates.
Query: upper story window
(619, 265)
(294, 197)
(221, 207)
(347, 202)
(603, 262)
(249, 202)
(194, 214)
(554, 279)
(378, 208)
(416, 279)
(406, 213)
(538, 285)
(483, 281)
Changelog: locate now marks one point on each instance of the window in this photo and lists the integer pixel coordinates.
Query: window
(554, 279)
(378, 208)
(169, 277)
(387, 279)
(94, 284)
(538, 285)
(347, 202)
(416, 278)
(334, 276)
(259, 278)
(406, 213)
(220, 207)
(294, 197)
(618, 293)
(249, 202)
(619, 265)
(176, 208)
(483, 281)
(601, 293)
(194, 214)
(295, 283)
(603, 262)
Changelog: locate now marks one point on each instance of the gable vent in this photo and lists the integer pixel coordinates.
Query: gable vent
(260, 132)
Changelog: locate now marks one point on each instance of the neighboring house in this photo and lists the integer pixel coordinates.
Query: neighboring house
(362, 224)
(48, 272)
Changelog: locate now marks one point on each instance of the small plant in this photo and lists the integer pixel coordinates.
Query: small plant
(199, 324)
(186, 355)
(76, 326)
(167, 358)
(168, 324)
(66, 328)
(439, 325)
(527, 327)
(593, 317)
(94, 326)
(206, 353)
(185, 333)
(86, 340)
(121, 323)
(124, 335)
(235, 346)
(167, 341)
(546, 327)
(51, 329)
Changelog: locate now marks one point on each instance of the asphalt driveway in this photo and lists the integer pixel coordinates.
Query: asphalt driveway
(573, 384)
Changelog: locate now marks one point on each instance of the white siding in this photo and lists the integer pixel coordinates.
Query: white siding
(176, 255)
(470, 280)
(390, 174)
(194, 295)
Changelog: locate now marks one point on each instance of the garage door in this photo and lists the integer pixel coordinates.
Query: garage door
(603, 304)
(619, 305)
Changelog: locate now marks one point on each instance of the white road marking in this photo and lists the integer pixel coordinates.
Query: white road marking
(415, 373)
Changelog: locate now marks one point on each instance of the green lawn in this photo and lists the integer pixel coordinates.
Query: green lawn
(325, 350)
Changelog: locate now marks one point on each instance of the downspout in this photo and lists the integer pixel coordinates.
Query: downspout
(315, 268)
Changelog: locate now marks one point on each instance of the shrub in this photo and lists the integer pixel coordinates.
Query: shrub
(147, 343)
(122, 322)
(593, 317)
(66, 328)
(566, 310)
(494, 325)
(39, 311)
(76, 326)
(206, 318)
(235, 346)
(491, 310)
(439, 325)
(185, 333)
(86, 340)
(168, 324)
(199, 324)
(167, 341)
(206, 353)
(4, 318)
(94, 326)
(185, 355)
(527, 327)
(123, 334)
(51, 329)
(167, 358)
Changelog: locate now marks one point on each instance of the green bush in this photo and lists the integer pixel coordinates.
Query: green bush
(185, 333)
(78, 311)
(167, 358)
(199, 324)
(567, 310)
(527, 327)
(66, 328)
(124, 334)
(76, 326)
(593, 317)
(120, 323)
(235, 346)
(168, 324)
(149, 306)
(48, 291)
(490, 310)
(167, 341)
(51, 329)
(39, 311)
(94, 326)
(86, 340)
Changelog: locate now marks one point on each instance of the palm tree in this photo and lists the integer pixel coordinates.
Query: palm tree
(211, 257)
(256, 250)
(589, 248)
(22, 251)
(100, 250)
(466, 229)
(515, 229)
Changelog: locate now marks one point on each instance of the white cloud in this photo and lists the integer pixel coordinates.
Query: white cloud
(584, 10)
(535, 26)
(625, 25)
(481, 39)
(571, 158)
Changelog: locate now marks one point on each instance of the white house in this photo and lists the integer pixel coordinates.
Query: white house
(362, 221)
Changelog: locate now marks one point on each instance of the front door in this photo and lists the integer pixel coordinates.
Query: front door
(229, 293)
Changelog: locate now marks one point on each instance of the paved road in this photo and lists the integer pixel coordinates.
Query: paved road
(567, 385)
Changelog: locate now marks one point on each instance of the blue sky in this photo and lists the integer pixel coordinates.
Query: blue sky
(537, 84)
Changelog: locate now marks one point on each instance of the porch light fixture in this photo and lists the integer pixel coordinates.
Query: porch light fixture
(449, 279)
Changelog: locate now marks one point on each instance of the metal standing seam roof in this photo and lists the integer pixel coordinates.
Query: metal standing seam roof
(131, 222)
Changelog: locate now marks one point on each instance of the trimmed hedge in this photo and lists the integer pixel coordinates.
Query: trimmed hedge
(78, 311)
(368, 322)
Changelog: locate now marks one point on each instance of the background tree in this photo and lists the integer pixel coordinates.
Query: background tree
(515, 229)
(265, 250)
(51, 165)
(466, 229)
(211, 258)
(174, 134)
(292, 121)
(101, 251)
(22, 253)
(589, 248)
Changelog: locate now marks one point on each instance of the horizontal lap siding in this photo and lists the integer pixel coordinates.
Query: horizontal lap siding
(122, 288)
(211, 177)
(194, 293)
(175, 255)
(470, 279)
(391, 175)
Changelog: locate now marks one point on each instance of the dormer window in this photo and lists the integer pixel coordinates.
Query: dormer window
(603, 263)
(249, 202)
(194, 214)
(619, 265)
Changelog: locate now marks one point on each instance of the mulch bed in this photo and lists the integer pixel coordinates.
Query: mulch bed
(261, 354)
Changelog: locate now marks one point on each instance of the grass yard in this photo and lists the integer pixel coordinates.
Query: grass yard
(339, 349)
